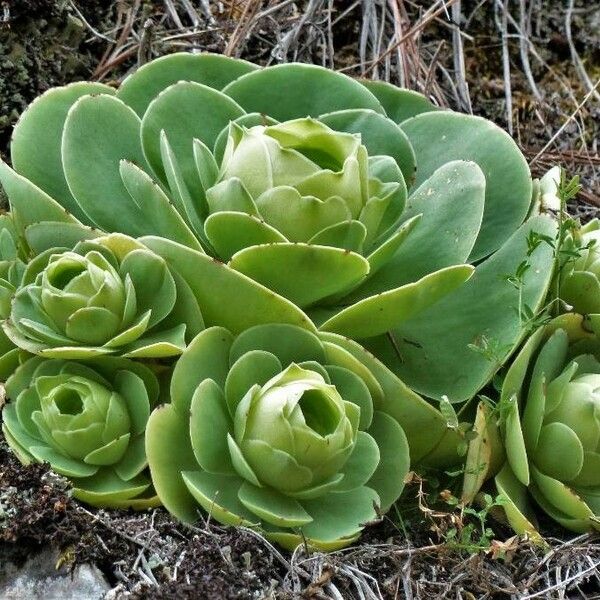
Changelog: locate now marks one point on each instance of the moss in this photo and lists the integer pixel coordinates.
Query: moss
(42, 44)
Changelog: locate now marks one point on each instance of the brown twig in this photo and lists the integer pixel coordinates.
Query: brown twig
(421, 24)
(243, 27)
(568, 120)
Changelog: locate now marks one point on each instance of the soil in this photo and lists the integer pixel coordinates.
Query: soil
(135, 551)
(150, 556)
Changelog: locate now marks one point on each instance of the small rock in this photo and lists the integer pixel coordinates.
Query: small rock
(38, 579)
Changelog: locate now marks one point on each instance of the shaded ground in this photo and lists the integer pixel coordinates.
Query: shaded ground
(538, 85)
(149, 556)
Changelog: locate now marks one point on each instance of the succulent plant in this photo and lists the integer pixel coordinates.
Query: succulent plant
(329, 197)
(13, 257)
(109, 295)
(549, 430)
(279, 429)
(580, 275)
(87, 420)
(254, 223)
(545, 196)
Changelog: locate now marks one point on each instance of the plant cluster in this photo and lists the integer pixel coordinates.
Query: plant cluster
(260, 294)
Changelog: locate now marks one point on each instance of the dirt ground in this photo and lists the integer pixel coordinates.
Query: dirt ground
(531, 66)
(150, 556)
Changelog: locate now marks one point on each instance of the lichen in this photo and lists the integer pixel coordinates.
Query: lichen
(42, 44)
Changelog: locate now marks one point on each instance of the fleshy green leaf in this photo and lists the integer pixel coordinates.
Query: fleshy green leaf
(161, 218)
(293, 91)
(559, 453)
(53, 234)
(218, 496)
(394, 461)
(107, 489)
(451, 205)
(378, 314)
(301, 272)
(60, 463)
(299, 218)
(579, 525)
(230, 232)
(560, 496)
(361, 464)
(225, 296)
(36, 141)
(214, 70)
(91, 160)
(339, 355)
(206, 357)
(28, 202)
(383, 254)
(379, 134)
(248, 120)
(110, 453)
(167, 460)
(516, 504)
(255, 367)
(349, 235)
(480, 312)
(287, 342)
(414, 414)
(134, 460)
(353, 389)
(399, 103)
(340, 515)
(273, 507)
(209, 425)
(439, 137)
(184, 111)
(192, 209)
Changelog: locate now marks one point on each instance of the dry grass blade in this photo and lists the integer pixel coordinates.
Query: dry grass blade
(524, 33)
(459, 59)
(427, 17)
(96, 33)
(571, 117)
(579, 66)
(235, 44)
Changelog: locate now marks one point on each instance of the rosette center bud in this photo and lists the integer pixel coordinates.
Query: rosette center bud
(296, 418)
(303, 154)
(72, 283)
(80, 417)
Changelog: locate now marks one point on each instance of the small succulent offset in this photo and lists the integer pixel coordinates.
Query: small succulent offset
(13, 258)
(580, 276)
(550, 429)
(279, 429)
(109, 295)
(88, 421)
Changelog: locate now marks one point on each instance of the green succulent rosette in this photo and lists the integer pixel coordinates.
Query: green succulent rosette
(87, 420)
(108, 295)
(278, 429)
(580, 276)
(13, 257)
(550, 429)
(359, 203)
